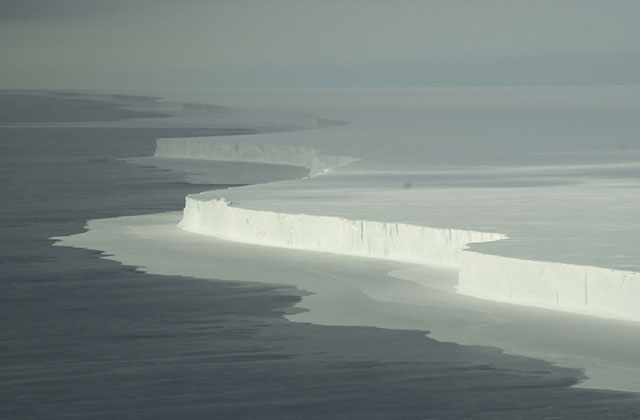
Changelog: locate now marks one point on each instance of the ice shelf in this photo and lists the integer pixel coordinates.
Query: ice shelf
(209, 148)
(532, 194)
(363, 238)
(583, 289)
(529, 195)
(575, 288)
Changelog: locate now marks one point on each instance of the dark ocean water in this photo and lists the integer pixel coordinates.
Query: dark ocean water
(83, 337)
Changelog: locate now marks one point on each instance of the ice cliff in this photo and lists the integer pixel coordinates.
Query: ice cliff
(210, 148)
(575, 288)
(582, 289)
(363, 238)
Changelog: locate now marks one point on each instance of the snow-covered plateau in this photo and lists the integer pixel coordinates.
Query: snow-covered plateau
(530, 195)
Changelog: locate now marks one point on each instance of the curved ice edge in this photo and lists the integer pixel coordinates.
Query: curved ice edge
(212, 148)
(595, 291)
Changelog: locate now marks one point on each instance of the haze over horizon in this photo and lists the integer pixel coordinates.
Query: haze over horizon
(355, 43)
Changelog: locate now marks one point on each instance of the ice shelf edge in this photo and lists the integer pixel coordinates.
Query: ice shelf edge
(596, 291)
(588, 290)
(210, 148)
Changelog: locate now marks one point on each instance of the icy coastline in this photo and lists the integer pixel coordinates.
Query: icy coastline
(587, 290)
(393, 241)
(511, 219)
(596, 291)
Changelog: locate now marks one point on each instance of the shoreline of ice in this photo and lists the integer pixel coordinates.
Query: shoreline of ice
(361, 238)
(587, 290)
(582, 289)
(541, 213)
(209, 148)
(353, 291)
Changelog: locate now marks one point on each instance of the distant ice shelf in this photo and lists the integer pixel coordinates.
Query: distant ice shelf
(209, 148)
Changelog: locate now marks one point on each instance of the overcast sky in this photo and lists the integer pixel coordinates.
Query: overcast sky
(212, 43)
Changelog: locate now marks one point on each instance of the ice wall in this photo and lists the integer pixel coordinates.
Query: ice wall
(576, 288)
(581, 289)
(210, 148)
(394, 241)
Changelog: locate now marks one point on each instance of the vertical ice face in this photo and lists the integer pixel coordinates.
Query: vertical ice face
(210, 148)
(364, 238)
(576, 288)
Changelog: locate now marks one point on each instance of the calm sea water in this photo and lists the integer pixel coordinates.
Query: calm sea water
(82, 337)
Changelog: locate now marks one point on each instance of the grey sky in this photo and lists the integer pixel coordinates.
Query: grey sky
(199, 43)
